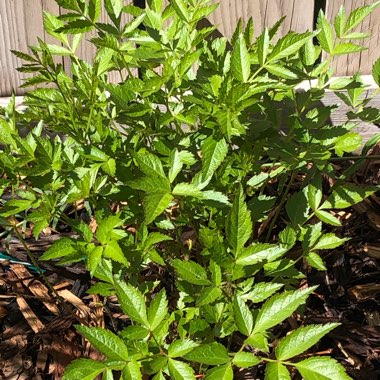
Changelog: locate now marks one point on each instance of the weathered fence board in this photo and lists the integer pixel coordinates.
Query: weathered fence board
(265, 13)
(20, 24)
(299, 15)
(350, 64)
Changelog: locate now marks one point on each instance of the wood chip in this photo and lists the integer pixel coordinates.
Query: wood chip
(35, 324)
(35, 287)
(374, 219)
(372, 250)
(364, 292)
(31, 318)
(76, 302)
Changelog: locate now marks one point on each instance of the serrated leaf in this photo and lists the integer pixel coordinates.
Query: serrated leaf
(326, 34)
(213, 154)
(158, 309)
(263, 46)
(184, 189)
(159, 376)
(176, 163)
(358, 15)
(259, 341)
(276, 371)
(215, 196)
(289, 45)
(181, 9)
(152, 184)
(313, 232)
(240, 60)
(347, 195)
(328, 218)
(155, 238)
(109, 166)
(376, 71)
(76, 27)
(211, 354)
(297, 208)
(321, 368)
(223, 372)
(262, 290)
(281, 71)
(15, 206)
(348, 143)
(245, 360)
(340, 22)
(149, 164)
(239, 224)
(356, 36)
(314, 193)
(315, 261)
(301, 340)
(113, 7)
(180, 371)
(216, 273)
(94, 258)
(113, 251)
(132, 302)
(191, 271)
(61, 248)
(287, 237)
(155, 205)
(280, 307)
(105, 342)
(84, 369)
(329, 241)
(208, 295)
(134, 332)
(133, 25)
(347, 48)
(260, 252)
(181, 347)
(243, 316)
(132, 371)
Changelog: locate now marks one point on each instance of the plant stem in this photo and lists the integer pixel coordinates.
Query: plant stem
(356, 158)
(280, 205)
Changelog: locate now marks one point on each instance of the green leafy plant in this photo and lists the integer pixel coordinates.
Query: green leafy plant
(178, 163)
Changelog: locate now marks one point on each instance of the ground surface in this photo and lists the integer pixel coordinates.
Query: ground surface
(38, 338)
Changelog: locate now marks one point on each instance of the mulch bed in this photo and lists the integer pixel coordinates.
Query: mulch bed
(38, 338)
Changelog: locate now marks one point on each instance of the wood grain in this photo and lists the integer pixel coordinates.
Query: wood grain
(20, 24)
(350, 64)
(265, 13)
(299, 15)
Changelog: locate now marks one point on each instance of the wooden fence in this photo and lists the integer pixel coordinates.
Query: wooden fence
(21, 24)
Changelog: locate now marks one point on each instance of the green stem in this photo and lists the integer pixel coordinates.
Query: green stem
(356, 158)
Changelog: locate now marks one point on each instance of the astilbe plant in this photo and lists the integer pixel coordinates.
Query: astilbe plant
(183, 149)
